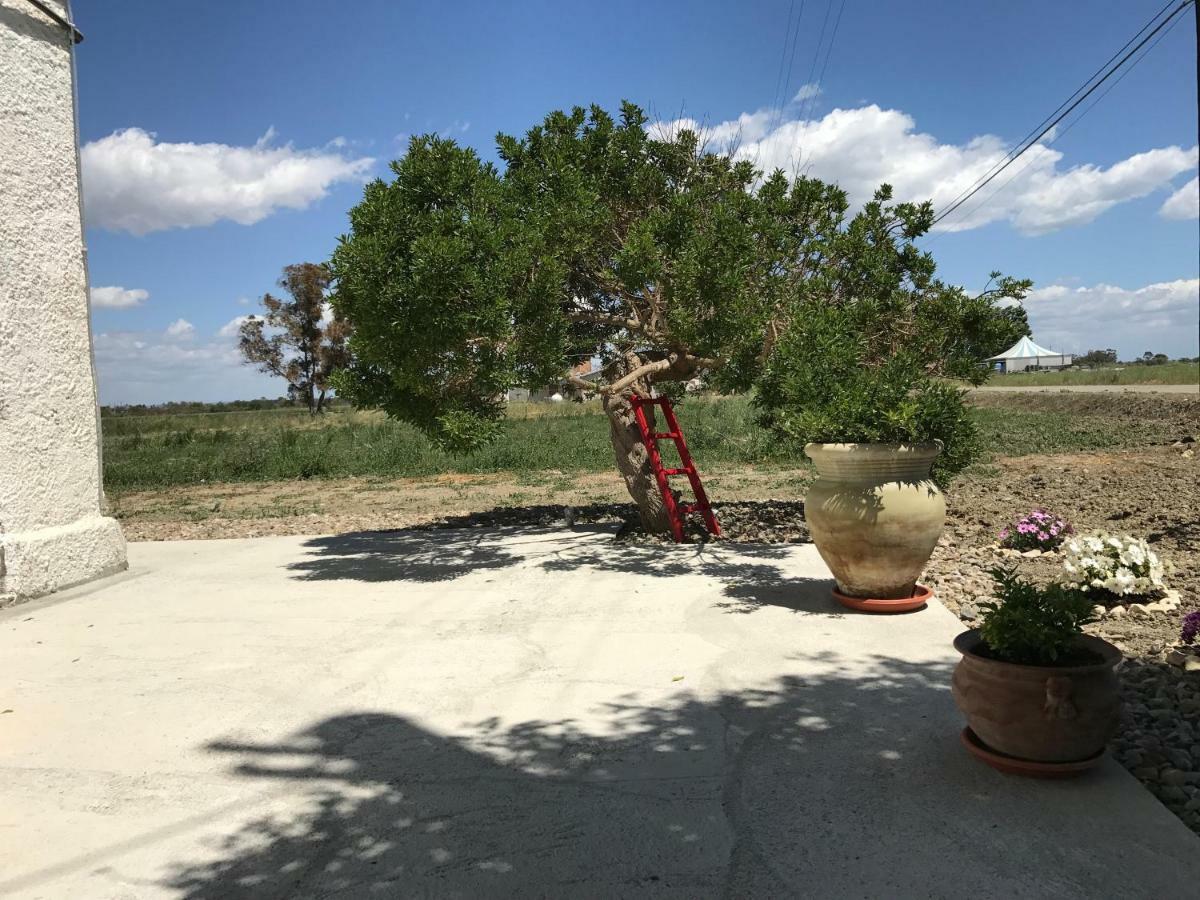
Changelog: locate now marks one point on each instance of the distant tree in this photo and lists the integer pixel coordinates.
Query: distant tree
(607, 238)
(1098, 357)
(295, 339)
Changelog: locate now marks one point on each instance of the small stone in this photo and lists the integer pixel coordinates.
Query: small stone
(1118, 612)
(1181, 759)
(1173, 778)
(1177, 657)
(1188, 454)
(1032, 554)
(1098, 611)
(1174, 794)
(1192, 664)
(1146, 773)
(968, 612)
(1138, 609)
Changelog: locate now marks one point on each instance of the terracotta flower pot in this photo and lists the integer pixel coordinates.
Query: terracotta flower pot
(875, 515)
(1048, 714)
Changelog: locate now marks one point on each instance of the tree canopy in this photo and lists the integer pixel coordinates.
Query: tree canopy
(294, 339)
(624, 241)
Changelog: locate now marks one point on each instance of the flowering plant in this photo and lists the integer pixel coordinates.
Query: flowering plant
(1191, 628)
(1119, 565)
(1039, 530)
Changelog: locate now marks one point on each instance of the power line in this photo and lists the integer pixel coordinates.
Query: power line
(1071, 125)
(820, 80)
(783, 54)
(1012, 147)
(1026, 144)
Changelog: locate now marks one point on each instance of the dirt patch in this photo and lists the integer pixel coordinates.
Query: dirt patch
(1179, 411)
(333, 506)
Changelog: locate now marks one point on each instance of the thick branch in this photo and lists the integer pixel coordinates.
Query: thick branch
(684, 366)
(598, 318)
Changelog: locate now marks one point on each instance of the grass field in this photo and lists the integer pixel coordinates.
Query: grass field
(1168, 373)
(157, 451)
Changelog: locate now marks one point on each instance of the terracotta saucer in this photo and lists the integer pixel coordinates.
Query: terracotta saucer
(1012, 765)
(920, 597)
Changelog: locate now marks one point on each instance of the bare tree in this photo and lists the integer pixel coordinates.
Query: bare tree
(300, 340)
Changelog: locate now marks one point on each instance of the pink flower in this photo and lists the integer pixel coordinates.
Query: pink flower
(1042, 536)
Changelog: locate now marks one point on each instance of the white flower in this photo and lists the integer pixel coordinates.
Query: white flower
(1115, 542)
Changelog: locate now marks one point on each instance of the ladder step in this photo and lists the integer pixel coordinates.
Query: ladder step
(676, 510)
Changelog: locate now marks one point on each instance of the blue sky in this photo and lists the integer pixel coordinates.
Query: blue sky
(225, 140)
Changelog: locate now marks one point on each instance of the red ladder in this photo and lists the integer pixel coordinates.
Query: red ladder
(675, 511)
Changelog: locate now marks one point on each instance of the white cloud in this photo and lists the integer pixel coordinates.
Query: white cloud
(807, 92)
(233, 328)
(115, 297)
(180, 329)
(148, 367)
(861, 148)
(1159, 317)
(133, 182)
(1184, 203)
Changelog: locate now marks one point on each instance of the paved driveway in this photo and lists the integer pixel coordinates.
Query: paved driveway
(520, 713)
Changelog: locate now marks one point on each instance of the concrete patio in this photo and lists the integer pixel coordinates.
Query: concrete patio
(520, 713)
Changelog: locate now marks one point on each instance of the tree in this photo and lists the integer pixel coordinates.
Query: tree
(605, 238)
(1099, 357)
(295, 340)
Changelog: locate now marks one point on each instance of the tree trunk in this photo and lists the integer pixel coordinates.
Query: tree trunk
(633, 462)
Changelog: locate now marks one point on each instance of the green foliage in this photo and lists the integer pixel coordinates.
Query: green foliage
(271, 444)
(870, 333)
(613, 238)
(424, 279)
(1168, 373)
(1031, 625)
(293, 341)
(1098, 358)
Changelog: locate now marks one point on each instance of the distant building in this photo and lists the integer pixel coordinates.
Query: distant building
(557, 391)
(1025, 354)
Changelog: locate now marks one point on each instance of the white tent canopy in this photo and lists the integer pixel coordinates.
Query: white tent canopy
(1026, 353)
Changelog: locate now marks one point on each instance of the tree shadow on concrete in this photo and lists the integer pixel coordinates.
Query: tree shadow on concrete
(752, 575)
(691, 797)
(849, 782)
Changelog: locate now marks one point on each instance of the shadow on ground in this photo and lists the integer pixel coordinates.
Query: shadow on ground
(691, 797)
(752, 575)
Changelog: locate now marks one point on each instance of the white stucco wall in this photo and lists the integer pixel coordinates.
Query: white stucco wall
(52, 530)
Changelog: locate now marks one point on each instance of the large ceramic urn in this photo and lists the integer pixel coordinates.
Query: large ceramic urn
(875, 515)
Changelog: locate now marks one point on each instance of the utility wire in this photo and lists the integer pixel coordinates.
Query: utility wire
(817, 84)
(1012, 148)
(787, 32)
(1026, 144)
(1071, 125)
